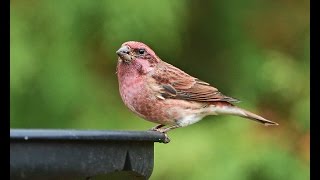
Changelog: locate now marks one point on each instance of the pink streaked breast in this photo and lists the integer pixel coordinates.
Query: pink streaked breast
(138, 97)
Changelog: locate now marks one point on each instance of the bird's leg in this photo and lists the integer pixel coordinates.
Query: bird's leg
(165, 130)
(157, 127)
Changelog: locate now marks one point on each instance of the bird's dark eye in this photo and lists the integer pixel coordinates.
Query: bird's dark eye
(141, 51)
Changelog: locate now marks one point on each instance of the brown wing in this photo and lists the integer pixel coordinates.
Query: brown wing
(177, 84)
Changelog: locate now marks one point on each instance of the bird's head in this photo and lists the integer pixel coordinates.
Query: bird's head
(133, 52)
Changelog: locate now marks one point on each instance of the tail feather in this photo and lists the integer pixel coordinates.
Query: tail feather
(255, 117)
(234, 110)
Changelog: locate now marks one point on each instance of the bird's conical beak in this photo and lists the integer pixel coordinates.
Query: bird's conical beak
(123, 50)
(124, 53)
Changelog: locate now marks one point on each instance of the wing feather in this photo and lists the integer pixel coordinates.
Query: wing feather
(177, 84)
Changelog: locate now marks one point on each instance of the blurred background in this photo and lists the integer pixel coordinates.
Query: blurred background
(62, 75)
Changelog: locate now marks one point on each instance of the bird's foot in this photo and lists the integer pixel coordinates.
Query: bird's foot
(159, 128)
(165, 130)
(162, 130)
(167, 139)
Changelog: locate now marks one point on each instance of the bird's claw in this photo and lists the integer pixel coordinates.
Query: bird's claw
(167, 139)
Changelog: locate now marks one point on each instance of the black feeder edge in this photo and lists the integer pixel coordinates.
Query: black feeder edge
(82, 154)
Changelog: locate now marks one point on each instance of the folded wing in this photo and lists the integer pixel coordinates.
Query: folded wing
(176, 84)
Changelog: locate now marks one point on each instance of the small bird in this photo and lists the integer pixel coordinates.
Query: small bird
(161, 93)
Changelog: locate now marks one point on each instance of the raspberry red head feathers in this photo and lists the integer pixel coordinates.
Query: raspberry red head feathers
(139, 45)
(132, 50)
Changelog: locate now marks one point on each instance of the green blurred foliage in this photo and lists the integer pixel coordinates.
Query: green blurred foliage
(62, 75)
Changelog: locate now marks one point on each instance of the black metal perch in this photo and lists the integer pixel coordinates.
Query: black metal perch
(78, 154)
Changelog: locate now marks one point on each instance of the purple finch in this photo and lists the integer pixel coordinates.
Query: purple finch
(164, 94)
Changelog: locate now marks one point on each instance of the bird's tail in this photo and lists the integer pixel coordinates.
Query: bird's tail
(234, 110)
